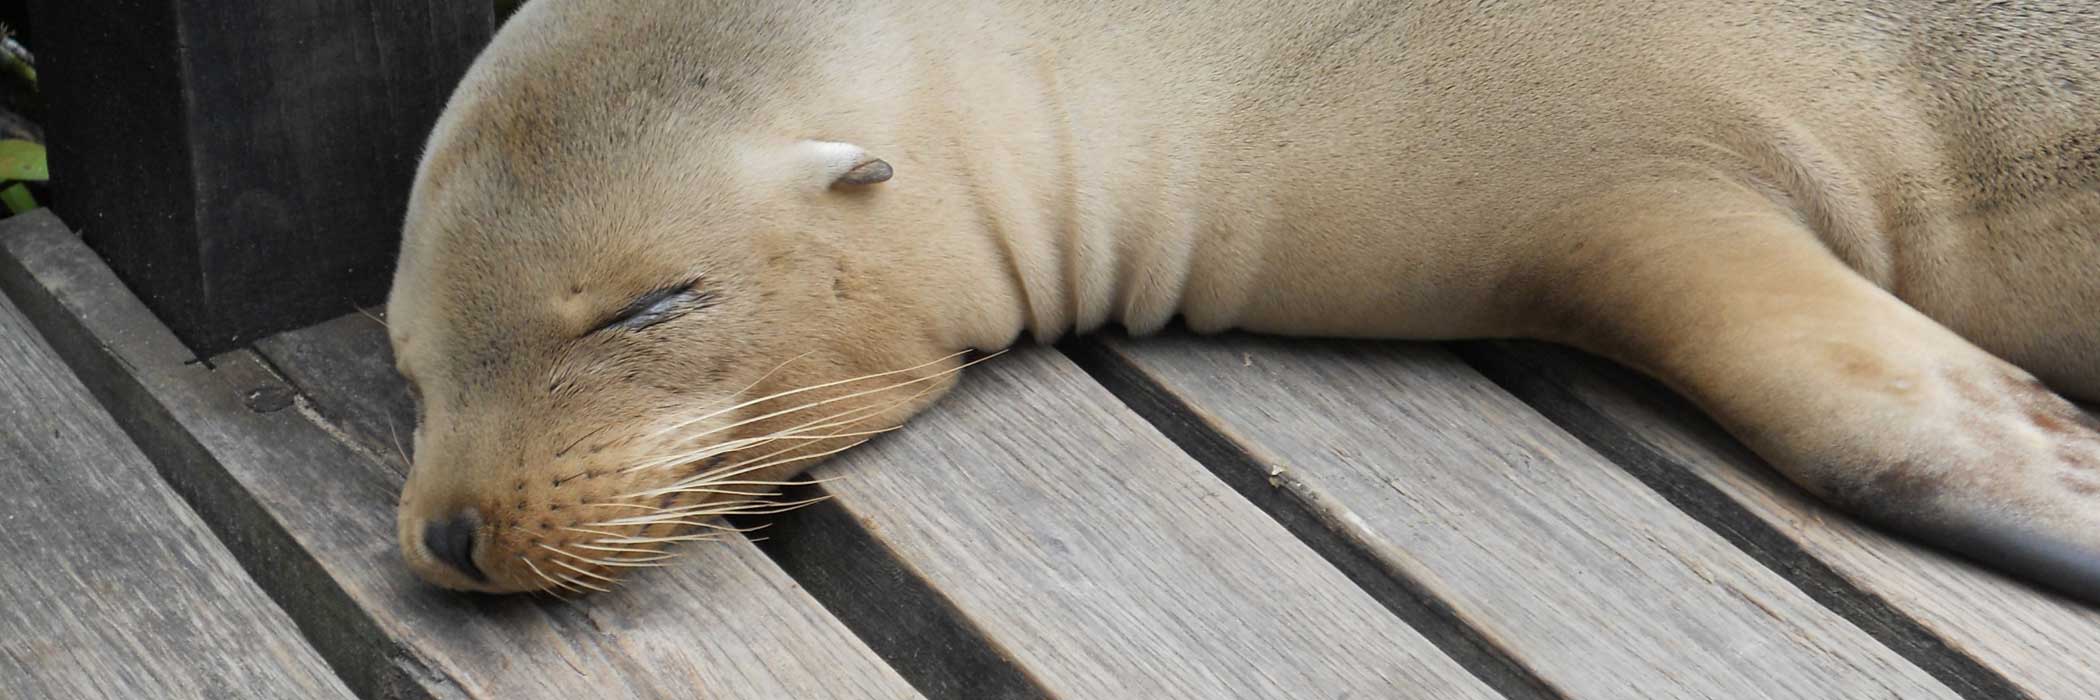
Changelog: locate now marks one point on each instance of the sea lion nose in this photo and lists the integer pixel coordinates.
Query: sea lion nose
(451, 541)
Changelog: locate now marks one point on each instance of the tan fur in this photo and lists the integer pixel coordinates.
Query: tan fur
(1826, 222)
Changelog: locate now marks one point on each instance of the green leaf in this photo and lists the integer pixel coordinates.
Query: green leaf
(23, 161)
(17, 198)
(22, 70)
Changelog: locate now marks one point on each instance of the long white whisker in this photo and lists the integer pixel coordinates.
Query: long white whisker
(614, 504)
(375, 318)
(653, 561)
(729, 492)
(781, 484)
(550, 579)
(571, 567)
(804, 432)
(396, 435)
(761, 379)
(796, 432)
(719, 477)
(751, 507)
(806, 389)
(709, 510)
(711, 452)
(581, 582)
(836, 399)
(776, 508)
(667, 539)
(627, 550)
(674, 521)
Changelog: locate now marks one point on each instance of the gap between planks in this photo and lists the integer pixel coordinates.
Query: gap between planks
(1216, 439)
(865, 555)
(1983, 634)
(1405, 597)
(345, 365)
(303, 514)
(113, 585)
(268, 552)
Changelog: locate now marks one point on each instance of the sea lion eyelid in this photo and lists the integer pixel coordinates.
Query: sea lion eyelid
(658, 305)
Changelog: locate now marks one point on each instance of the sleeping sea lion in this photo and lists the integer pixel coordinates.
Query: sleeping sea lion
(661, 255)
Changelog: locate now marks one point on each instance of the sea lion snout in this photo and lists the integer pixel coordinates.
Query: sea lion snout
(572, 499)
(581, 514)
(561, 525)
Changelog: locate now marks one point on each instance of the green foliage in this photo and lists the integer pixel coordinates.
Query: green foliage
(21, 162)
(22, 70)
(17, 198)
(14, 58)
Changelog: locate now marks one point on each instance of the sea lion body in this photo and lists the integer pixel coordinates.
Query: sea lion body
(1854, 232)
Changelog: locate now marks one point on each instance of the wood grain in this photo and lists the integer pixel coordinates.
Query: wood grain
(312, 518)
(345, 366)
(2008, 638)
(111, 587)
(1578, 571)
(1104, 562)
(1119, 637)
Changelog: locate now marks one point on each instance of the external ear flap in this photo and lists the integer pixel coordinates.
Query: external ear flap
(847, 165)
(873, 171)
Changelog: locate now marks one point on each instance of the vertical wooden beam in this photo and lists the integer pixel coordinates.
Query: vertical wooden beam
(244, 166)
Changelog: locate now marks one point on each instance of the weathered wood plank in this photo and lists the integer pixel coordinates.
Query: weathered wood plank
(2014, 639)
(111, 587)
(312, 518)
(1107, 587)
(1578, 571)
(1103, 561)
(345, 366)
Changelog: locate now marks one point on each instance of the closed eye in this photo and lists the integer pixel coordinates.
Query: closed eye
(658, 306)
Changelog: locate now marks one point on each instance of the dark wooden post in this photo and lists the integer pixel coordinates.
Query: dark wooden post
(244, 164)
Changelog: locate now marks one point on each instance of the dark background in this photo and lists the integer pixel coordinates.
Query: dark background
(243, 166)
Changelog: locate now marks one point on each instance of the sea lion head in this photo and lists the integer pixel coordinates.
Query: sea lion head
(626, 305)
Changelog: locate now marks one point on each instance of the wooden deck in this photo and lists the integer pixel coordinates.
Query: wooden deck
(1231, 517)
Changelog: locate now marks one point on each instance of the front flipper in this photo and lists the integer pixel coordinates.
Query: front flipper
(1851, 393)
